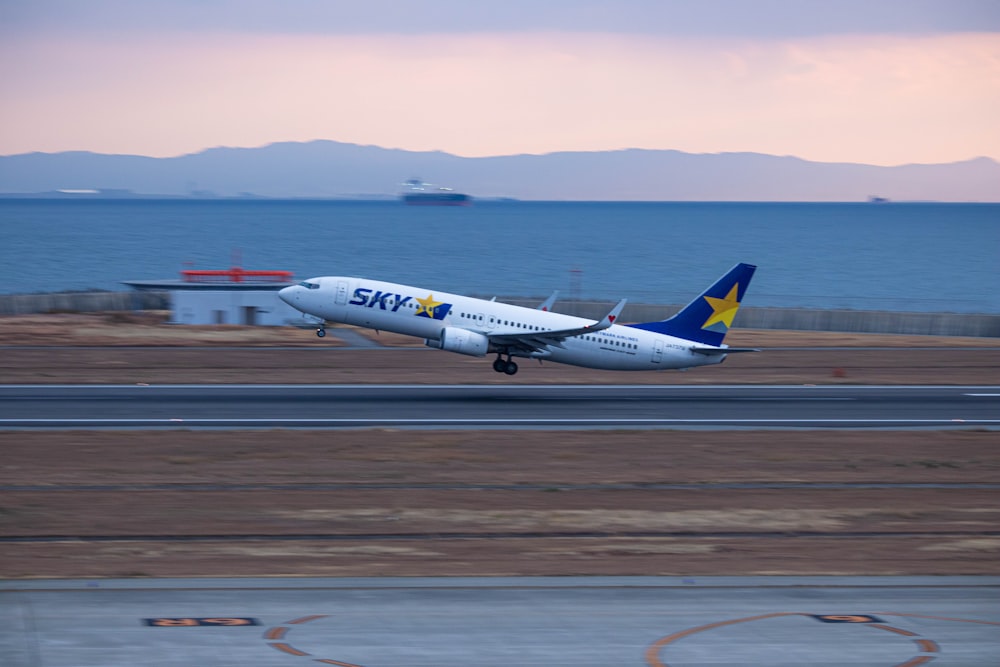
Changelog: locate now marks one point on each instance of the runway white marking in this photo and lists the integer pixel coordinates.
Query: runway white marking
(498, 420)
(837, 387)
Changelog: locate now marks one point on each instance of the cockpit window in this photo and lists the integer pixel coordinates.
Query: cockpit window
(309, 285)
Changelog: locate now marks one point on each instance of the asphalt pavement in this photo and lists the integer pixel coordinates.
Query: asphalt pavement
(473, 622)
(507, 406)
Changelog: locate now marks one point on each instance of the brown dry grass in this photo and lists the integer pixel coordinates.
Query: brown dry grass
(425, 486)
(139, 348)
(509, 494)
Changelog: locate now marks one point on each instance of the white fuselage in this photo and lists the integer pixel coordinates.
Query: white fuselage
(424, 313)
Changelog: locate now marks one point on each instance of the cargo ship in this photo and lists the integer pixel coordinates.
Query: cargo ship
(418, 193)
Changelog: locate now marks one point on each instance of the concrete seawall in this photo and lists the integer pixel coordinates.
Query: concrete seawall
(82, 302)
(801, 319)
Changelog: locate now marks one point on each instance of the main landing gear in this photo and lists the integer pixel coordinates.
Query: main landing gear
(500, 365)
(321, 331)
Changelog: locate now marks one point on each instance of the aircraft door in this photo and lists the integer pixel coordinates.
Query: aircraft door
(657, 351)
(491, 322)
(342, 292)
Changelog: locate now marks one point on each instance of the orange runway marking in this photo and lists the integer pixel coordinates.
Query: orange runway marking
(652, 653)
(924, 645)
(919, 660)
(288, 649)
(279, 633)
(306, 619)
(850, 619)
(898, 631)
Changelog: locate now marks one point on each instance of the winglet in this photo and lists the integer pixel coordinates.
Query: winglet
(610, 318)
(547, 304)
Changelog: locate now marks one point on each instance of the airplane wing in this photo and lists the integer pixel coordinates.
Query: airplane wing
(531, 341)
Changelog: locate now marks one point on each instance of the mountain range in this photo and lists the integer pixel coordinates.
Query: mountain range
(330, 169)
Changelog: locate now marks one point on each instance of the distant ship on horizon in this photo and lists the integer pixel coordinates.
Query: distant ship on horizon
(418, 193)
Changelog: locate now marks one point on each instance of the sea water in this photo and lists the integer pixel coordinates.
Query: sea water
(894, 256)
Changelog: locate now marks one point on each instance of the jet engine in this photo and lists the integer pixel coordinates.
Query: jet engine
(463, 341)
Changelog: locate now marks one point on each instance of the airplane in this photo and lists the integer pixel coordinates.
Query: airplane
(477, 327)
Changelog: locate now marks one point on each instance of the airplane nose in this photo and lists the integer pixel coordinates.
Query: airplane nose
(287, 294)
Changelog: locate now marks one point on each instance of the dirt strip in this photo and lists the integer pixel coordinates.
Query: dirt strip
(386, 502)
(119, 348)
(375, 502)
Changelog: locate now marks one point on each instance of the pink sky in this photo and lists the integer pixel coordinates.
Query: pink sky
(875, 98)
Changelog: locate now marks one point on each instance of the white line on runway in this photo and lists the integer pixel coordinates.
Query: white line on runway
(809, 399)
(853, 387)
(490, 420)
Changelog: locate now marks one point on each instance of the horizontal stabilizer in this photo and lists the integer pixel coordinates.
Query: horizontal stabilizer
(712, 351)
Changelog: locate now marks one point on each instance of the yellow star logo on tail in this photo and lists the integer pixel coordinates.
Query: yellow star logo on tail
(723, 310)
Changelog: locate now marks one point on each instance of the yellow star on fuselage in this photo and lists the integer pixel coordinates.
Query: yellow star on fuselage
(723, 310)
(427, 306)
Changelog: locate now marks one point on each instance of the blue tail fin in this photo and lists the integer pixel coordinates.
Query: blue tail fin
(707, 319)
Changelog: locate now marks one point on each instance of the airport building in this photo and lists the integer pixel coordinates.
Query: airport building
(230, 296)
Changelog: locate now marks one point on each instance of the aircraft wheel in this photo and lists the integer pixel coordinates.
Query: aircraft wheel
(321, 332)
(499, 365)
(510, 368)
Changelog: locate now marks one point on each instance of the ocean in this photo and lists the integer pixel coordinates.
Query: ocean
(925, 257)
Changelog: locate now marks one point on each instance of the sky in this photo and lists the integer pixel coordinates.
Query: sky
(881, 82)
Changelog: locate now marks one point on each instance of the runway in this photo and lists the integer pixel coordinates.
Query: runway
(472, 622)
(497, 406)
